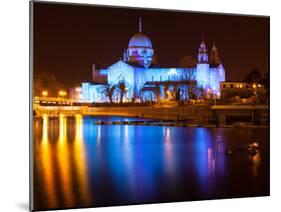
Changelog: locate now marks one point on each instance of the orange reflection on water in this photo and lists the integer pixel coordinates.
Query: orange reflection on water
(47, 166)
(45, 139)
(255, 160)
(64, 167)
(80, 161)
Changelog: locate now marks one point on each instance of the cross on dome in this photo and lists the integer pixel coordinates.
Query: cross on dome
(140, 26)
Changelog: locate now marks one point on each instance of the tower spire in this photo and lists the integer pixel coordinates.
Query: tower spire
(215, 58)
(202, 40)
(214, 48)
(140, 26)
(202, 53)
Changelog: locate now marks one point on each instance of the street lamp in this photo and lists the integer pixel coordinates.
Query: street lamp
(78, 89)
(62, 93)
(44, 93)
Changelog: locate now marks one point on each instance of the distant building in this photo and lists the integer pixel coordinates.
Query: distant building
(230, 89)
(146, 81)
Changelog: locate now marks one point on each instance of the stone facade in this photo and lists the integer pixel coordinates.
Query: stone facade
(144, 81)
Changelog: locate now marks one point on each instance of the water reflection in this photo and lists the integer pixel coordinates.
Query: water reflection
(64, 169)
(81, 164)
(99, 134)
(169, 158)
(209, 157)
(203, 143)
(255, 163)
(47, 166)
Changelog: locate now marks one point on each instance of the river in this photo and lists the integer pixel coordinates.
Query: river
(79, 164)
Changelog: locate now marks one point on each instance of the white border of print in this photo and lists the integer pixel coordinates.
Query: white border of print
(14, 107)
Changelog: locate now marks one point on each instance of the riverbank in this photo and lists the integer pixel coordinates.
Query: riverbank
(175, 124)
(194, 114)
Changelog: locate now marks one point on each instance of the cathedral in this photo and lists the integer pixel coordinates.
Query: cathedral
(146, 81)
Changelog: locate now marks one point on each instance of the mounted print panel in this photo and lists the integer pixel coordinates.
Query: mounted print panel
(136, 106)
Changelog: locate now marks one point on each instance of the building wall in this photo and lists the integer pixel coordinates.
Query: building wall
(85, 91)
(202, 75)
(158, 74)
(93, 92)
(121, 71)
(136, 77)
(221, 74)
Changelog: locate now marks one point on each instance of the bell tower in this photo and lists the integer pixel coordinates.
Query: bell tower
(215, 59)
(203, 76)
(202, 53)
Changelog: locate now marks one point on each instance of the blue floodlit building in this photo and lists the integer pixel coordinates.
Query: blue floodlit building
(145, 81)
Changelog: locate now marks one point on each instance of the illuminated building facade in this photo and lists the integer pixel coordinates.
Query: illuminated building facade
(234, 89)
(145, 81)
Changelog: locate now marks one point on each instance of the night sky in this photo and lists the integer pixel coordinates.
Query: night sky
(68, 39)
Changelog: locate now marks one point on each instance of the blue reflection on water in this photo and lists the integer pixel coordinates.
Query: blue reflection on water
(135, 161)
(202, 149)
(121, 164)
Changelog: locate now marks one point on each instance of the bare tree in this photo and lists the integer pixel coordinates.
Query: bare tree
(108, 91)
(201, 92)
(189, 74)
(46, 81)
(254, 76)
(157, 93)
(122, 89)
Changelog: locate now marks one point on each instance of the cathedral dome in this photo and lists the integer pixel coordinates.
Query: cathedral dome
(139, 51)
(140, 40)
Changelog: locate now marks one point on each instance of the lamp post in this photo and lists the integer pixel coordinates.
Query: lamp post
(78, 94)
(44, 93)
(62, 94)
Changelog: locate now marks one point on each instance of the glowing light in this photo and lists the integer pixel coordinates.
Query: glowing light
(78, 89)
(44, 93)
(167, 135)
(80, 160)
(62, 93)
(99, 134)
(64, 162)
(45, 129)
(173, 71)
(47, 165)
(254, 86)
(211, 160)
(256, 160)
(170, 167)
